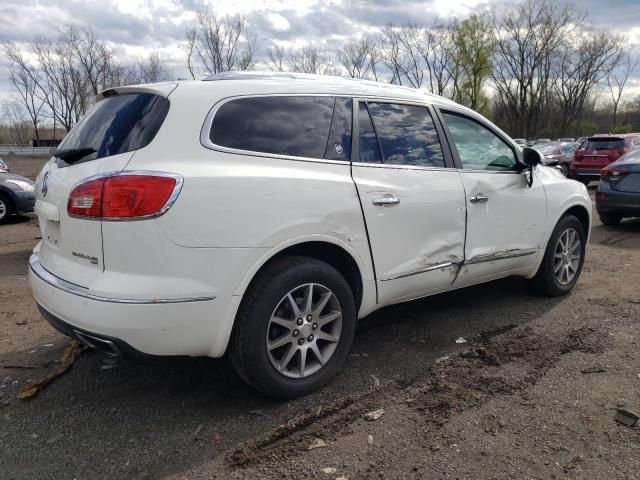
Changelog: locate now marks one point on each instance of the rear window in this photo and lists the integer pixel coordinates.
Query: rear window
(602, 144)
(118, 124)
(293, 126)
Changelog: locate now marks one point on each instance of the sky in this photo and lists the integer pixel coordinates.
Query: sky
(133, 28)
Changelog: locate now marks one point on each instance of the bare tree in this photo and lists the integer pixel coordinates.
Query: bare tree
(528, 34)
(151, 69)
(90, 53)
(18, 124)
(25, 83)
(358, 57)
(392, 54)
(219, 44)
(583, 62)
(617, 80)
(277, 57)
(309, 60)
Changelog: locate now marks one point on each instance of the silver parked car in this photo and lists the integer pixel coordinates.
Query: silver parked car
(16, 195)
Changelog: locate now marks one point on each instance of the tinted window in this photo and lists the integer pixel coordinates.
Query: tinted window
(297, 126)
(478, 147)
(339, 143)
(603, 144)
(407, 135)
(367, 144)
(118, 124)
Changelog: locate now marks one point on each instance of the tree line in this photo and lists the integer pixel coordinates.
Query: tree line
(534, 67)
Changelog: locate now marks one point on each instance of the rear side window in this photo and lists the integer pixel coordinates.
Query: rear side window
(603, 144)
(118, 124)
(292, 126)
(407, 135)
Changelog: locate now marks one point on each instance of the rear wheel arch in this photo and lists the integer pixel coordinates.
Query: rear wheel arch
(331, 253)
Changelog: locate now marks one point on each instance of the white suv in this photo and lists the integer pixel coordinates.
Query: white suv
(263, 214)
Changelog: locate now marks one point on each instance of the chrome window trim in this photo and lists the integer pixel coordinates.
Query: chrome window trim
(403, 167)
(417, 272)
(68, 287)
(170, 201)
(205, 131)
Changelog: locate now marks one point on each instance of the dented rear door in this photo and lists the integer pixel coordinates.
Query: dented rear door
(414, 206)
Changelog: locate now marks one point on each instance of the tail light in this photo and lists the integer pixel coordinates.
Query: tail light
(612, 174)
(128, 195)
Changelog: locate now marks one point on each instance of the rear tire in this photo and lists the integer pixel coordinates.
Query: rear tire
(610, 219)
(563, 258)
(6, 208)
(271, 335)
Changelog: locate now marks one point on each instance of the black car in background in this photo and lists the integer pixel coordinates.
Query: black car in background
(618, 194)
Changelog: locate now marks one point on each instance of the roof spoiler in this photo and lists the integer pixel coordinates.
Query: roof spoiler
(163, 89)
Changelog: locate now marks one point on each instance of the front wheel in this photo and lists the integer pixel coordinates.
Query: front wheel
(563, 258)
(564, 169)
(294, 328)
(6, 209)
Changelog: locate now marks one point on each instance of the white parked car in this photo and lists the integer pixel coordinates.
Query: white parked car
(261, 215)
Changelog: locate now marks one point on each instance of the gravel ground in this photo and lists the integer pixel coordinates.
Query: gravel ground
(531, 394)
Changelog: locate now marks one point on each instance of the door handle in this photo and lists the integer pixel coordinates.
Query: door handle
(479, 198)
(386, 199)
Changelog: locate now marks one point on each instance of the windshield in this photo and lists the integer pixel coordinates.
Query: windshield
(118, 124)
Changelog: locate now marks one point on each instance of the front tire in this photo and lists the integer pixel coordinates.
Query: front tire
(6, 209)
(563, 258)
(294, 328)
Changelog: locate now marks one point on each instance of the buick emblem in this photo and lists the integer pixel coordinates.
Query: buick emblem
(45, 187)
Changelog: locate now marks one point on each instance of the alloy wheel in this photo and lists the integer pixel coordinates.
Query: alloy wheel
(3, 209)
(567, 255)
(304, 330)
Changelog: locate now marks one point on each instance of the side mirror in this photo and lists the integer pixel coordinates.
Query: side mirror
(531, 157)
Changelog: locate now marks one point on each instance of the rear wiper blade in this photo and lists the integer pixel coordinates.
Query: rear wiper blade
(71, 155)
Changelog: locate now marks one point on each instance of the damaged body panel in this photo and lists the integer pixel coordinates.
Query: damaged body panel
(417, 257)
(505, 232)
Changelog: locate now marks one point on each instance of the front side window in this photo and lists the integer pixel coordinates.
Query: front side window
(478, 147)
(407, 135)
(292, 126)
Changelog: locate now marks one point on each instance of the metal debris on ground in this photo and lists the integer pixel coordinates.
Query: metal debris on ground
(626, 417)
(68, 356)
(461, 340)
(317, 443)
(374, 414)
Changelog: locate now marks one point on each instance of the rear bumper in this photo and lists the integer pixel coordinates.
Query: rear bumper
(626, 204)
(585, 173)
(155, 327)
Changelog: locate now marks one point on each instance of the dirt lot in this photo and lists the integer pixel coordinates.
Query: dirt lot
(531, 394)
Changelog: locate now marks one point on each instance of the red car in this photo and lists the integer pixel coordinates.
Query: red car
(595, 153)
